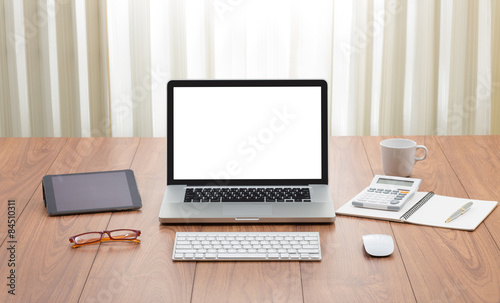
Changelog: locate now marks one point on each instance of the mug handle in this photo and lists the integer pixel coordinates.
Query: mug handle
(425, 154)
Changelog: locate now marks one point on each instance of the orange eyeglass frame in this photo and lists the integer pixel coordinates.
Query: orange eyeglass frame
(108, 237)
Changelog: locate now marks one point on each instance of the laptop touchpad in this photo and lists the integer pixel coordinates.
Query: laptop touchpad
(247, 210)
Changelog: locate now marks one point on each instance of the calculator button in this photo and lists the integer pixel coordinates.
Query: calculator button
(394, 202)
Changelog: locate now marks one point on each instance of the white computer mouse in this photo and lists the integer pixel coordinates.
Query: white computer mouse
(378, 245)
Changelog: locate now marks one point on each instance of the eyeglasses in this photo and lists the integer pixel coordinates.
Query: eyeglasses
(107, 235)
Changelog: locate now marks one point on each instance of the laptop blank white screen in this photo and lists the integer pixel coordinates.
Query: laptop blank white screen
(247, 133)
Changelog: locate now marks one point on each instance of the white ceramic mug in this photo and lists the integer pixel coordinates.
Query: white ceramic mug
(398, 156)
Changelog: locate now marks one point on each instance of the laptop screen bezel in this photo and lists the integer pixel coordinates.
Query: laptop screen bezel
(245, 83)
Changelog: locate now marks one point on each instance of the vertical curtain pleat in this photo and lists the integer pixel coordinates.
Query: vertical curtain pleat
(494, 89)
(18, 105)
(68, 82)
(461, 68)
(97, 49)
(177, 45)
(481, 103)
(160, 65)
(141, 80)
(31, 46)
(120, 70)
(5, 121)
(393, 21)
(49, 69)
(341, 62)
(82, 63)
(199, 39)
(376, 33)
(362, 68)
(421, 68)
(469, 109)
(444, 78)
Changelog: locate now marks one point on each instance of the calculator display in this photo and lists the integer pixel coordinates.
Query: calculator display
(395, 182)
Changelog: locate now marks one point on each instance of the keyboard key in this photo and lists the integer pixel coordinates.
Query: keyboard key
(309, 251)
(243, 200)
(242, 256)
(185, 251)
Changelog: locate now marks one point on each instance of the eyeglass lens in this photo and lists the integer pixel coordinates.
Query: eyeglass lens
(123, 234)
(88, 238)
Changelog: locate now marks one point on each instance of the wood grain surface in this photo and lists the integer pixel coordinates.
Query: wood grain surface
(476, 162)
(428, 264)
(23, 163)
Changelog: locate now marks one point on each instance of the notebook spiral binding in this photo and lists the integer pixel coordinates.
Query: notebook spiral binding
(415, 207)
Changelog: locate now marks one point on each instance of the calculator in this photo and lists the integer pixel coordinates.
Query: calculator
(387, 193)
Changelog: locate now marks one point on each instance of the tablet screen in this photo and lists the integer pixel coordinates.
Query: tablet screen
(90, 192)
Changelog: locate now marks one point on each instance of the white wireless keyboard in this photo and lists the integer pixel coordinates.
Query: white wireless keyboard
(247, 246)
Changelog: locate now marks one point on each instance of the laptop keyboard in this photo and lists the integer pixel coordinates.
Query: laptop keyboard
(251, 194)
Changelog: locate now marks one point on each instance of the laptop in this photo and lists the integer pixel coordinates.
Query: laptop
(247, 151)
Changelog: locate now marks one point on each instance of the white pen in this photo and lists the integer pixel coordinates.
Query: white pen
(459, 212)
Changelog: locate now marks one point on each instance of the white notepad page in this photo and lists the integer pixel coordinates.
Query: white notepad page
(433, 213)
(439, 208)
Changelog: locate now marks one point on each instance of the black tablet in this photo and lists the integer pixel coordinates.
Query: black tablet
(90, 192)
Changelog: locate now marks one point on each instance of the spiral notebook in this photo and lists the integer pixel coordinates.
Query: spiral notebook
(428, 209)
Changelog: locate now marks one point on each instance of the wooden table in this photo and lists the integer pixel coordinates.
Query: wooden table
(428, 264)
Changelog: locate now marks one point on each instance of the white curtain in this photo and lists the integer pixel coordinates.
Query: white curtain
(394, 67)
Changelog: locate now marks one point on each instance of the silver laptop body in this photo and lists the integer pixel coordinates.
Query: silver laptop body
(247, 151)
